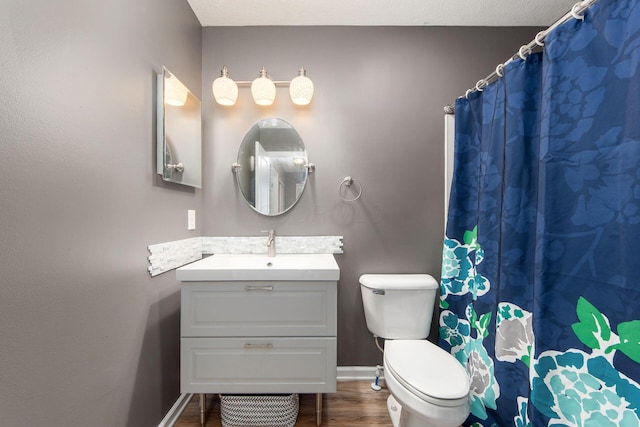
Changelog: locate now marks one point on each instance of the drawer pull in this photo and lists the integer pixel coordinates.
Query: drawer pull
(258, 288)
(250, 346)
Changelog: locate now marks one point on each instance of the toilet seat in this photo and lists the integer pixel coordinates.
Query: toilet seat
(428, 371)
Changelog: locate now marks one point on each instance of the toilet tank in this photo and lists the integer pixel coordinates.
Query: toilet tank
(398, 306)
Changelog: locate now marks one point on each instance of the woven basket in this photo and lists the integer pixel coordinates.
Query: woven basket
(246, 410)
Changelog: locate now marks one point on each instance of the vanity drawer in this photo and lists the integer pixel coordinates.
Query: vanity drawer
(237, 309)
(258, 365)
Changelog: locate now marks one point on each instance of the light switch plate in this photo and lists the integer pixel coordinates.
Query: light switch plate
(191, 219)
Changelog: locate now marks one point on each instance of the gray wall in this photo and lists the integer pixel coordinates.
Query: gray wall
(87, 338)
(377, 116)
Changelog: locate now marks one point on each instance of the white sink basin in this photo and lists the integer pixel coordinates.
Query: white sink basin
(235, 267)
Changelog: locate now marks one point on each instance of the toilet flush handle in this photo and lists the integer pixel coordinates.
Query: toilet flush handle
(378, 291)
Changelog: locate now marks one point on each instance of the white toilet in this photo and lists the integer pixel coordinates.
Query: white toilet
(428, 386)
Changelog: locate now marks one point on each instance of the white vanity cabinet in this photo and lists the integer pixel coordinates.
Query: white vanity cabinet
(258, 337)
(252, 324)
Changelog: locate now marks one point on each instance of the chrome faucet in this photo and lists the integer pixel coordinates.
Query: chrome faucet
(271, 243)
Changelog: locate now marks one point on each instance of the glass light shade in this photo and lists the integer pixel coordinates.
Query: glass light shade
(301, 89)
(225, 91)
(175, 93)
(263, 89)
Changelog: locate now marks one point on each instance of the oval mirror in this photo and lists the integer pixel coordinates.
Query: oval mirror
(272, 167)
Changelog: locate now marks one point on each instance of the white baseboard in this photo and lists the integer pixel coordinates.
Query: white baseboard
(176, 410)
(354, 373)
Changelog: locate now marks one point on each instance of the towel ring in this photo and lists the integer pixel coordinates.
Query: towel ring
(348, 182)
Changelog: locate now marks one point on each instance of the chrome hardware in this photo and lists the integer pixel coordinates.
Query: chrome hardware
(271, 243)
(179, 167)
(347, 182)
(250, 346)
(318, 409)
(310, 167)
(258, 288)
(235, 167)
(378, 291)
(203, 408)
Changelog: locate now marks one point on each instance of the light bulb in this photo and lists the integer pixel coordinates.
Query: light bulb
(301, 88)
(263, 89)
(225, 90)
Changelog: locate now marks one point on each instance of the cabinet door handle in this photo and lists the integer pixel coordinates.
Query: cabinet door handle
(250, 346)
(258, 288)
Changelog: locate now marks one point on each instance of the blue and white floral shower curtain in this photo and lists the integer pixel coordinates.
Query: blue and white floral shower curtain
(540, 292)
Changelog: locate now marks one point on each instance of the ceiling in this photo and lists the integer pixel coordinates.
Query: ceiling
(380, 12)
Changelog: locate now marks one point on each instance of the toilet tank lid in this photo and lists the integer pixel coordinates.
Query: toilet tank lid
(398, 281)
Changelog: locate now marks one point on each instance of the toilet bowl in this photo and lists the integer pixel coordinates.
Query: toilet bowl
(428, 386)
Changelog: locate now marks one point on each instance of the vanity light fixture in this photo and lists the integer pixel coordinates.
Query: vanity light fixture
(301, 88)
(263, 89)
(224, 89)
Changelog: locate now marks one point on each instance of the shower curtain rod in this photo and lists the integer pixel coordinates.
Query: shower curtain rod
(576, 13)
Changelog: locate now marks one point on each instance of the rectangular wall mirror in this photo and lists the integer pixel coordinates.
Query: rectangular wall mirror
(179, 132)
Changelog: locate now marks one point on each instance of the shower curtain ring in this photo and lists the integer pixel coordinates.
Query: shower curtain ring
(541, 35)
(500, 70)
(574, 11)
(524, 51)
(480, 85)
(466, 94)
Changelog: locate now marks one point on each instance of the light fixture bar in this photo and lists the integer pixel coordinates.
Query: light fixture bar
(275, 82)
(225, 89)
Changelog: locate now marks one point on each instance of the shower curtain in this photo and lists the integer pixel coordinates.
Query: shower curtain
(540, 289)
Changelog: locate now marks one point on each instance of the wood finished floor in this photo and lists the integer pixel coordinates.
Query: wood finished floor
(354, 405)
